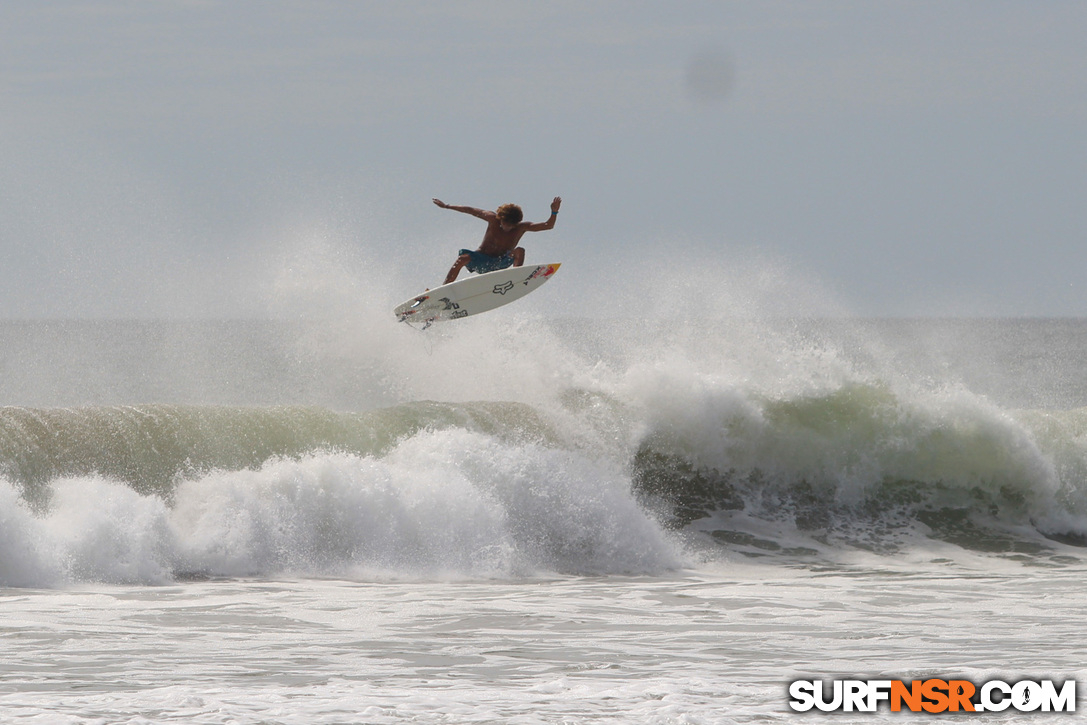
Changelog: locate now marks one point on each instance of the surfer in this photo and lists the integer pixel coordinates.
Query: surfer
(504, 231)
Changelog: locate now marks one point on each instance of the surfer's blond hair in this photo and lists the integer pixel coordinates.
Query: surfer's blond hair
(510, 214)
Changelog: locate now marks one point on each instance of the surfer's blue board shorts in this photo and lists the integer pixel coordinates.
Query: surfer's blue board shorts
(479, 262)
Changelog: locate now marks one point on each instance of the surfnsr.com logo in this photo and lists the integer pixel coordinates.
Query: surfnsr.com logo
(933, 695)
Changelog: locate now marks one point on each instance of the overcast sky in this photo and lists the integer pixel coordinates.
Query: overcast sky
(194, 158)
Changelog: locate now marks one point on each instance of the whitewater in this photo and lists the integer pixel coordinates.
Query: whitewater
(519, 519)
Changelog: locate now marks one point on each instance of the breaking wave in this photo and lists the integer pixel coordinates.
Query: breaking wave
(605, 449)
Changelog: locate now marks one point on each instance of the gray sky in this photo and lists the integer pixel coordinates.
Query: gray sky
(200, 158)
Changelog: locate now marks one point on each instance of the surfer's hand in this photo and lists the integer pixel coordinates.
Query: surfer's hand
(440, 203)
(555, 204)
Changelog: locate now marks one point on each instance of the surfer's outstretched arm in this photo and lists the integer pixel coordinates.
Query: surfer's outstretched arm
(482, 214)
(550, 223)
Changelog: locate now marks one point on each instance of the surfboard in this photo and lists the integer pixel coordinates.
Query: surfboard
(470, 296)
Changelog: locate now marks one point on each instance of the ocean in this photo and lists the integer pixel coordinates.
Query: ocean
(514, 520)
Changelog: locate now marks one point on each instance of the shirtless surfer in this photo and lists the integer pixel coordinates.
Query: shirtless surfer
(499, 247)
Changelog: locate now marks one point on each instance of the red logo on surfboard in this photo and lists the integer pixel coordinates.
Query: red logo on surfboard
(543, 271)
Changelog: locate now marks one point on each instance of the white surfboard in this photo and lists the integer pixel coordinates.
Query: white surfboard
(473, 295)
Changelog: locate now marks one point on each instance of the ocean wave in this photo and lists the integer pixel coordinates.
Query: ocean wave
(153, 447)
(601, 480)
(863, 466)
(439, 503)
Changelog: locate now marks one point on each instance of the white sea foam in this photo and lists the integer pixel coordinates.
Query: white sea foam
(451, 502)
(25, 559)
(445, 503)
(715, 646)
